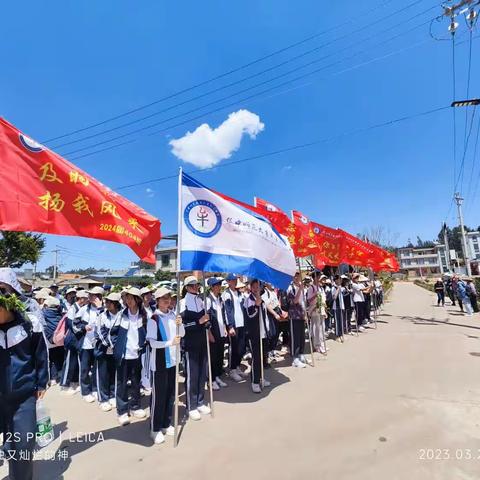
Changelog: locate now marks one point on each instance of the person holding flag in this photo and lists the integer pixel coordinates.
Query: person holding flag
(316, 305)
(195, 321)
(338, 307)
(296, 313)
(218, 331)
(235, 318)
(256, 317)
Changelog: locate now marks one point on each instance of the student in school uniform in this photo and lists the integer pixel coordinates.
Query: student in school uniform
(70, 297)
(316, 306)
(149, 305)
(105, 363)
(164, 332)
(296, 313)
(128, 338)
(275, 316)
(195, 321)
(359, 290)
(256, 314)
(69, 384)
(218, 331)
(338, 308)
(235, 317)
(52, 312)
(23, 380)
(348, 302)
(85, 327)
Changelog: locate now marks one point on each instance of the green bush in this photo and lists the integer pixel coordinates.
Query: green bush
(424, 284)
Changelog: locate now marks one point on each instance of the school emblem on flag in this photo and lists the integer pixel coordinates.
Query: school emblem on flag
(202, 218)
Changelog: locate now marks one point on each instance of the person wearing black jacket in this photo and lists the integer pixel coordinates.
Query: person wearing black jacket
(256, 328)
(53, 313)
(439, 288)
(218, 331)
(23, 379)
(195, 321)
(235, 317)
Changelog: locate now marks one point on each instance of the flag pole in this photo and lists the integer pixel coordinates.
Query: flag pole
(260, 317)
(177, 355)
(370, 269)
(209, 364)
(306, 317)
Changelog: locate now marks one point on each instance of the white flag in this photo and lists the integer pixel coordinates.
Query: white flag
(216, 235)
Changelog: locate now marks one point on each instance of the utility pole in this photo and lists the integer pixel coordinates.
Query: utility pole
(55, 265)
(458, 199)
(447, 247)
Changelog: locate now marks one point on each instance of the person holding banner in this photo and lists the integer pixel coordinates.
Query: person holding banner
(164, 341)
(129, 343)
(235, 317)
(338, 307)
(218, 331)
(195, 321)
(296, 313)
(316, 305)
(256, 315)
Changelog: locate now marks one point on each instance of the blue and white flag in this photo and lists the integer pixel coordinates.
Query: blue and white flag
(216, 235)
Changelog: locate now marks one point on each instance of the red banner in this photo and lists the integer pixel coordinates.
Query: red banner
(302, 234)
(41, 191)
(277, 217)
(329, 242)
(357, 252)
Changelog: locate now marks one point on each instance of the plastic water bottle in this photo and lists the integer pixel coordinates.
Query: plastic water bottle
(44, 425)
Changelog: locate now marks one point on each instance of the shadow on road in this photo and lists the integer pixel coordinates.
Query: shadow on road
(432, 321)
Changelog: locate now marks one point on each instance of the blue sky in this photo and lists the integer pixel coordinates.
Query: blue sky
(67, 65)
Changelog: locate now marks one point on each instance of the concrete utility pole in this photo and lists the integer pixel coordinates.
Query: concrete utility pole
(55, 265)
(447, 247)
(459, 200)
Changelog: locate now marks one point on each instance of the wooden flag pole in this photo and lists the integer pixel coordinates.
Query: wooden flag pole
(209, 366)
(306, 316)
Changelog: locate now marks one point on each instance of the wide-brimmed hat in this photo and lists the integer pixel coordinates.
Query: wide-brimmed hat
(113, 297)
(52, 302)
(133, 291)
(212, 281)
(8, 276)
(82, 294)
(97, 291)
(162, 292)
(362, 278)
(71, 290)
(231, 277)
(239, 284)
(42, 293)
(190, 280)
(145, 290)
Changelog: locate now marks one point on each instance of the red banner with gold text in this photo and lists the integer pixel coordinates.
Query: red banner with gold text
(41, 191)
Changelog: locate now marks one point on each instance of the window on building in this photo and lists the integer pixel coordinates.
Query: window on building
(165, 260)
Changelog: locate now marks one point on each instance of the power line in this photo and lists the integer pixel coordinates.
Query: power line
(244, 79)
(290, 149)
(225, 74)
(232, 104)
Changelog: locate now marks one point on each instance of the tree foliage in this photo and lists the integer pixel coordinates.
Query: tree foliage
(454, 236)
(18, 248)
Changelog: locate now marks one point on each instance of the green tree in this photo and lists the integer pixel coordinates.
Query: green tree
(424, 243)
(161, 276)
(18, 248)
(454, 236)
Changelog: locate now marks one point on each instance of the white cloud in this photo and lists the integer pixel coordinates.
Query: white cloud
(286, 168)
(150, 192)
(205, 147)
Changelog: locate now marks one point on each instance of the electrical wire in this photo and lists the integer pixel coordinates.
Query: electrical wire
(290, 149)
(232, 104)
(230, 72)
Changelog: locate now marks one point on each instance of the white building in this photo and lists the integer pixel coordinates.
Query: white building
(166, 259)
(419, 262)
(473, 245)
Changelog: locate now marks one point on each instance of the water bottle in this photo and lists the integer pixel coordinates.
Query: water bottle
(44, 425)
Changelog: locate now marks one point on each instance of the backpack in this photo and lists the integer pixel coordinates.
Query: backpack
(60, 332)
(284, 300)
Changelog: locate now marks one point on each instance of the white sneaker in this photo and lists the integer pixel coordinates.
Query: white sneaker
(113, 402)
(256, 388)
(157, 437)
(89, 398)
(204, 409)
(170, 431)
(298, 363)
(215, 385)
(124, 419)
(234, 375)
(194, 415)
(105, 406)
(139, 413)
(76, 387)
(95, 395)
(265, 383)
(221, 382)
(53, 383)
(361, 329)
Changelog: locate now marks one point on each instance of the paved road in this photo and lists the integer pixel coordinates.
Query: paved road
(379, 407)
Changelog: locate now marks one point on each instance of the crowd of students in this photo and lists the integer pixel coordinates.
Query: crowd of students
(113, 347)
(460, 290)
